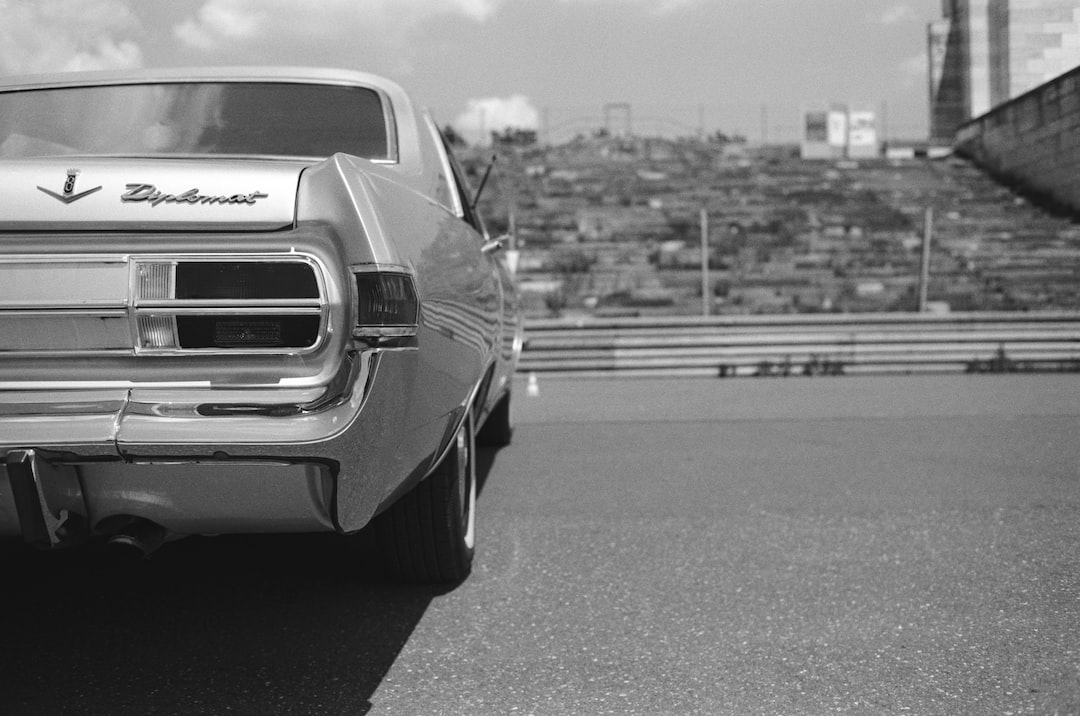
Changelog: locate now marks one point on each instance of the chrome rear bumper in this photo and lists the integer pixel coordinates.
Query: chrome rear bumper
(54, 505)
(72, 462)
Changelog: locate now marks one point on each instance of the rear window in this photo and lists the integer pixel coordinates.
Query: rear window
(195, 118)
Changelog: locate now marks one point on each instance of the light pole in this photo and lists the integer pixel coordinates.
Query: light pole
(706, 293)
(924, 270)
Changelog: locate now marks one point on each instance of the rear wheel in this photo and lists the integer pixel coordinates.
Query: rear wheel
(429, 535)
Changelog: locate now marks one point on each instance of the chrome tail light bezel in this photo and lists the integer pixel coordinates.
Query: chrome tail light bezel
(155, 310)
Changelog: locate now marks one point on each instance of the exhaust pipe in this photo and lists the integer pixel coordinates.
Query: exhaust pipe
(139, 538)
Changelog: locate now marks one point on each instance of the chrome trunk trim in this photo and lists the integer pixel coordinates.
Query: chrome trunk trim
(93, 305)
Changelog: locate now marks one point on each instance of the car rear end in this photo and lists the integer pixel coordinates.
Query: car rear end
(140, 366)
(185, 348)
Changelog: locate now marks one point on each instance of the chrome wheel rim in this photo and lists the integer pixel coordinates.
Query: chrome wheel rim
(466, 485)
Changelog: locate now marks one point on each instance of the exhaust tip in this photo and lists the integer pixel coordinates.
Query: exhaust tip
(139, 538)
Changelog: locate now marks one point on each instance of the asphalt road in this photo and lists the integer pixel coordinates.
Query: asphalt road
(905, 545)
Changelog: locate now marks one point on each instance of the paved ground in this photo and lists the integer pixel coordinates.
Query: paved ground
(775, 546)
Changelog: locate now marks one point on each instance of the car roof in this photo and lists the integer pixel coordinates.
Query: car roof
(197, 74)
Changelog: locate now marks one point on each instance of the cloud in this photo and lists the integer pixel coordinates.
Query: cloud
(57, 35)
(654, 7)
(898, 14)
(220, 21)
(666, 7)
(495, 114)
(218, 24)
(478, 10)
(383, 36)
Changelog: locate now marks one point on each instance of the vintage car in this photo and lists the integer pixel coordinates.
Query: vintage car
(244, 301)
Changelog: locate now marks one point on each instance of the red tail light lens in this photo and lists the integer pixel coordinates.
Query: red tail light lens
(386, 305)
(242, 280)
(260, 331)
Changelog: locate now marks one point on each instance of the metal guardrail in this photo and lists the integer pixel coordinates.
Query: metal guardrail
(816, 344)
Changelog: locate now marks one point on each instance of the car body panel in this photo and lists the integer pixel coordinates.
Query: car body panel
(110, 423)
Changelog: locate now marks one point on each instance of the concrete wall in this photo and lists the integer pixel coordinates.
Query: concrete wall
(1032, 142)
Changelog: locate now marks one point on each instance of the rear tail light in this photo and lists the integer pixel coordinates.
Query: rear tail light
(256, 331)
(156, 280)
(228, 305)
(386, 305)
(157, 332)
(243, 280)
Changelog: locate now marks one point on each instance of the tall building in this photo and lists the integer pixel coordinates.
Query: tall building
(1043, 42)
(985, 52)
(949, 105)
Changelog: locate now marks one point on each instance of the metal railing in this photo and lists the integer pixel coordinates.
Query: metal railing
(821, 344)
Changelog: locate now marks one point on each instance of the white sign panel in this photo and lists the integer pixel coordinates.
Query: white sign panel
(837, 128)
(862, 130)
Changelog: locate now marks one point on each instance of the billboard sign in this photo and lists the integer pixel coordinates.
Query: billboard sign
(862, 129)
(837, 128)
(817, 127)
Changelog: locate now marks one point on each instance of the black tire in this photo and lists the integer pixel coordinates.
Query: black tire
(429, 535)
(498, 429)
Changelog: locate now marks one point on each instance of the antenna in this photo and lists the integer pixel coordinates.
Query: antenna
(483, 182)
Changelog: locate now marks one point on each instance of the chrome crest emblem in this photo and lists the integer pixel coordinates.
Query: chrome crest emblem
(69, 194)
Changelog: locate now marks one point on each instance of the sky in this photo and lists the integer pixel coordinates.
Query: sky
(562, 67)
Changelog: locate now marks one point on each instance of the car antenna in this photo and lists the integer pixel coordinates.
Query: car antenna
(483, 182)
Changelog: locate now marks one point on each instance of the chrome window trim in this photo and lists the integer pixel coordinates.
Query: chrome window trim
(381, 268)
(458, 209)
(392, 154)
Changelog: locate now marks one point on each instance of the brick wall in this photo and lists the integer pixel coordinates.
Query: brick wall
(1032, 142)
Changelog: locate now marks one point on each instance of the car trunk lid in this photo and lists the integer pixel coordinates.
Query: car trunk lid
(141, 194)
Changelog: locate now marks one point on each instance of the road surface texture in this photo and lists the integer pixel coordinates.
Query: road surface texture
(860, 545)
